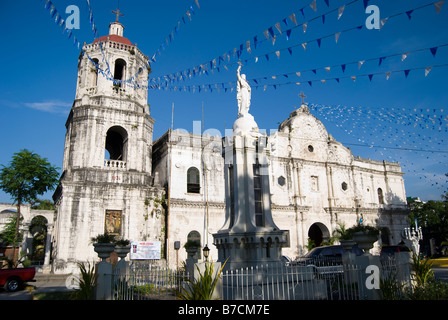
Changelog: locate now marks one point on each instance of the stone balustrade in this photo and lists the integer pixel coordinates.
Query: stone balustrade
(114, 164)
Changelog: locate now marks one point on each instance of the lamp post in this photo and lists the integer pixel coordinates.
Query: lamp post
(206, 251)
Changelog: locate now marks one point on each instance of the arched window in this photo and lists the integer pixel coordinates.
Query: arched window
(193, 185)
(120, 71)
(194, 241)
(116, 143)
(94, 73)
(380, 196)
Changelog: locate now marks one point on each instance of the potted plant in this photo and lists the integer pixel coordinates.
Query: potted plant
(365, 236)
(192, 248)
(104, 245)
(122, 248)
(345, 237)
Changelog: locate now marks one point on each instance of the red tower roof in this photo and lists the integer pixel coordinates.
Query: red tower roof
(115, 38)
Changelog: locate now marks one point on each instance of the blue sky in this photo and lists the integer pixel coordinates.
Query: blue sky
(403, 118)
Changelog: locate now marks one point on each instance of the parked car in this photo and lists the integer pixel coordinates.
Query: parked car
(326, 255)
(326, 260)
(389, 251)
(14, 279)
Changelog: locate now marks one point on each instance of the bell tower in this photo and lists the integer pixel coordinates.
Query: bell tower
(106, 185)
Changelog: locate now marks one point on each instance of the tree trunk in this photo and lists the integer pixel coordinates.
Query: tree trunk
(16, 234)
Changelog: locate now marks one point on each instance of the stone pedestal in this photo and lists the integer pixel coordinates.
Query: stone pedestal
(249, 236)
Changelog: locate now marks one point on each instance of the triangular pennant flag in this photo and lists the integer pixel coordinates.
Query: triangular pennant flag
(323, 19)
(293, 18)
(370, 77)
(318, 42)
(313, 5)
(305, 25)
(360, 63)
(255, 42)
(310, 83)
(256, 60)
(327, 68)
(438, 5)
(343, 67)
(304, 45)
(314, 71)
(271, 31)
(353, 78)
(381, 60)
(388, 75)
(285, 22)
(336, 36)
(366, 3)
(197, 3)
(337, 80)
(327, 2)
(290, 51)
(383, 22)
(406, 72)
(288, 33)
(267, 57)
(409, 13)
(278, 54)
(266, 34)
(248, 46)
(323, 81)
(404, 56)
(427, 70)
(433, 51)
(273, 39)
(277, 25)
(341, 11)
(303, 13)
(298, 74)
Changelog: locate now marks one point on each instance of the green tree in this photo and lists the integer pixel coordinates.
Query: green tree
(27, 176)
(7, 237)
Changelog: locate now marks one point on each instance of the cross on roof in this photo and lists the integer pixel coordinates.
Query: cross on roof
(303, 97)
(118, 13)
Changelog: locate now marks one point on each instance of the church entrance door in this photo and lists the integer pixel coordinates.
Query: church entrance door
(318, 233)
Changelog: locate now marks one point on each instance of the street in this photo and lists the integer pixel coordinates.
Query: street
(44, 283)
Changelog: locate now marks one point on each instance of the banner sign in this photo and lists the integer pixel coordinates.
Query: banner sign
(146, 250)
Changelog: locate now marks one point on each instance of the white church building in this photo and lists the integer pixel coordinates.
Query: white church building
(116, 179)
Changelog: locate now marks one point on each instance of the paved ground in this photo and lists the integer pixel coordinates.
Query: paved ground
(441, 274)
(44, 283)
(57, 283)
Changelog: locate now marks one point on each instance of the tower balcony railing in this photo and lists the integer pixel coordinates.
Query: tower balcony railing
(117, 164)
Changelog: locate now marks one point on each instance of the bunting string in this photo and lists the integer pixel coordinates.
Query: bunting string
(407, 134)
(219, 63)
(270, 33)
(225, 86)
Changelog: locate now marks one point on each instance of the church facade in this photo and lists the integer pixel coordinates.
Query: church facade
(116, 179)
(315, 183)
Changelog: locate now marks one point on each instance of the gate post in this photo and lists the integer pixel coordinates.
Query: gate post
(103, 289)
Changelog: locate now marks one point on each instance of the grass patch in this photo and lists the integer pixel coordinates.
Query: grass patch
(61, 295)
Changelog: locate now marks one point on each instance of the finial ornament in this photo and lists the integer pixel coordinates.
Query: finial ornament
(303, 97)
(118, 13)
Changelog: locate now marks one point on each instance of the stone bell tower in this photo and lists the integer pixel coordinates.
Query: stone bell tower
(249, 236)
(106, 184)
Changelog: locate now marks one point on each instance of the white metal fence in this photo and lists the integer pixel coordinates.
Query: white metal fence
(316, 281)
(146, 281)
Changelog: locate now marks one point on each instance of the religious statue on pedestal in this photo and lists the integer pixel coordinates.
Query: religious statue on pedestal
(243, 93)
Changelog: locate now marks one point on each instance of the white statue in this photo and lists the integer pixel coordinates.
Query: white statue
(243, 93)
